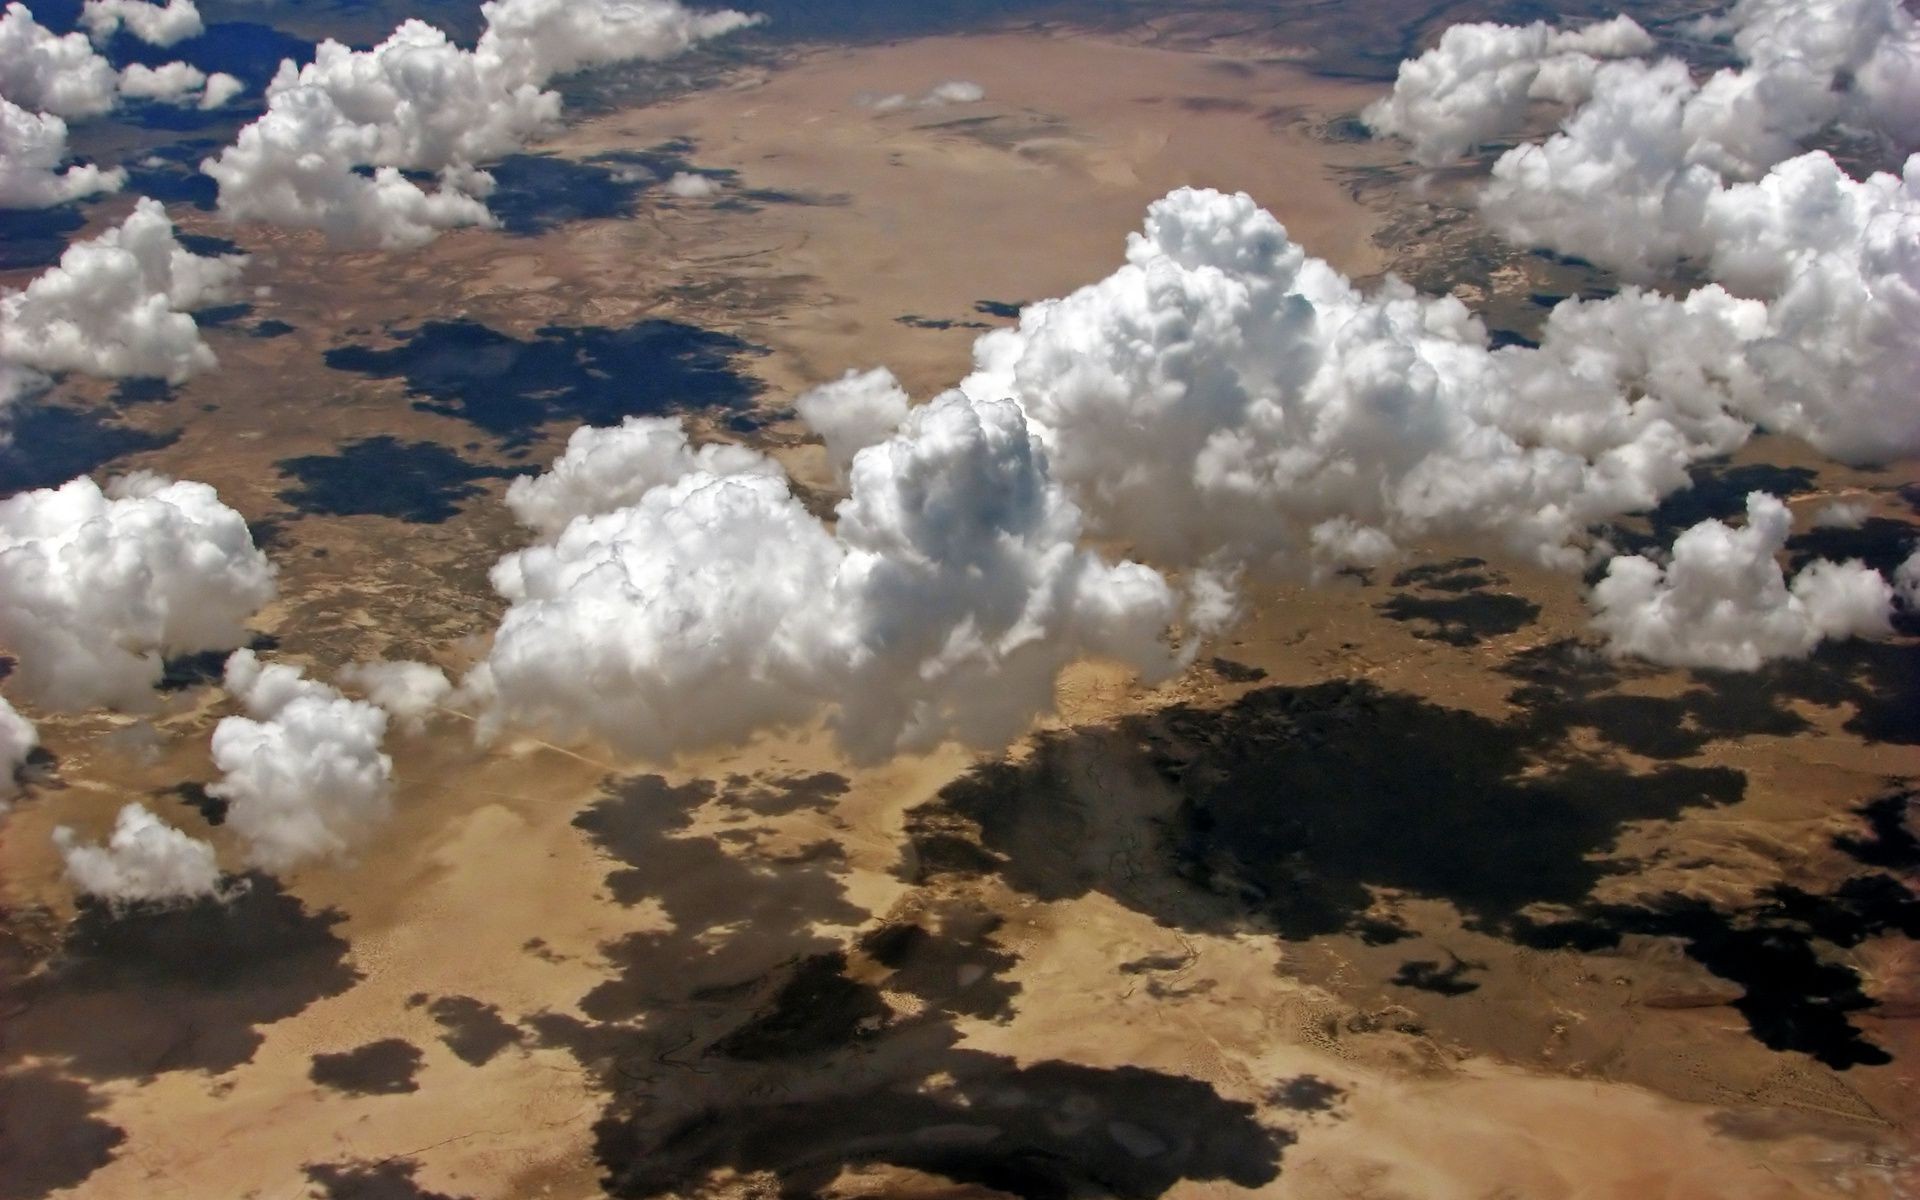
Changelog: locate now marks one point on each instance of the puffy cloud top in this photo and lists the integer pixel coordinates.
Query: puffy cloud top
(145, 859)
(1477, 83)
(857, 410)
(607, 469)
(302, 772)
(155, 24)
(96, 587)
(1722, 600)
(942, 605)
(118, 304)
(59, 74)
(32, 148)
(410, 691)
(418, 102)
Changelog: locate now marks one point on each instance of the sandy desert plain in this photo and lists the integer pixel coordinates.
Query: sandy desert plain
(1401, 891)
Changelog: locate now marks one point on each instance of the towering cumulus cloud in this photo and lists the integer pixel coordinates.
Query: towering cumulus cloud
(417, 102)
(1722, 600)
(942, 605)
(17, 740)
(302, 772)
(97, 587)
(857, 410)
(118, 304)
(144, 859)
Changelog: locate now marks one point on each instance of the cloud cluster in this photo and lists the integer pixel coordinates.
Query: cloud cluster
(17, 740)
(64, 75)
(33, 147)
(857, 410)
(1653, 169)
(607, 469)
(1478, 82)
(417, 102)
(302, 772)
(144, 860)
(941, 606)
(155, 24)
(1722, 601)
(97, 587)
(118, 304)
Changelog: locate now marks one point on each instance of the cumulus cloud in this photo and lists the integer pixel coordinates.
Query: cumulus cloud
(33, 147)
(17, 740)
(302, 772)
(607, 469)
(54, 73)
(857, 410)
(97, 587)
(1906, 581)
(418, 102)
(1842, 514)
(941, 606)
(1224, 396)
(1479, 81)
(953, 91)
(64, 75)
(1723, 602)
(410, 691)
(688, 186)
(144, 860)
(155, 24)
(119, 304)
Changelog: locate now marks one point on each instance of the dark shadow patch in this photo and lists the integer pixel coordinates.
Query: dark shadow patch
(172, 175)
(1005, 310)
(1306, 1093)
(50, 1137)
(1567, 685)
(538, 192)
(1428, 975)
(1890, 841)
(1461, 620)
(52, 445)
(185, 671)
(593, 375)
(142, 990)
(1235, 672)
(208, 246)
(32, 238)
(1714, 491)
(270, 328)
(915, 321)
(1453, 575)
(817, 1008)
(130, 392)
(1796, 997)
(382, 1068)
(1880, 543)
(779, 795)
(1284, 807)
(212, 809)
(420, 482)
(387, 1179)
(475, 1032)
(947, 958)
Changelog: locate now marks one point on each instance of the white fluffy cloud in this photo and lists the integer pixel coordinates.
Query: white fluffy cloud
(857, 410)
(607, 469)
(178, 83)
(46, 72)
(302, 772)
(97, 587)
(155, 24)
(686, 185)
(1906, 581)
(953, 91)
(33, 147)
(1842, 514)
(1722, 600)
(1478, 82)
(118, 304)
(941, 606)
(17, 740)
(144, 860)
(418, 102)
(410, 691)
